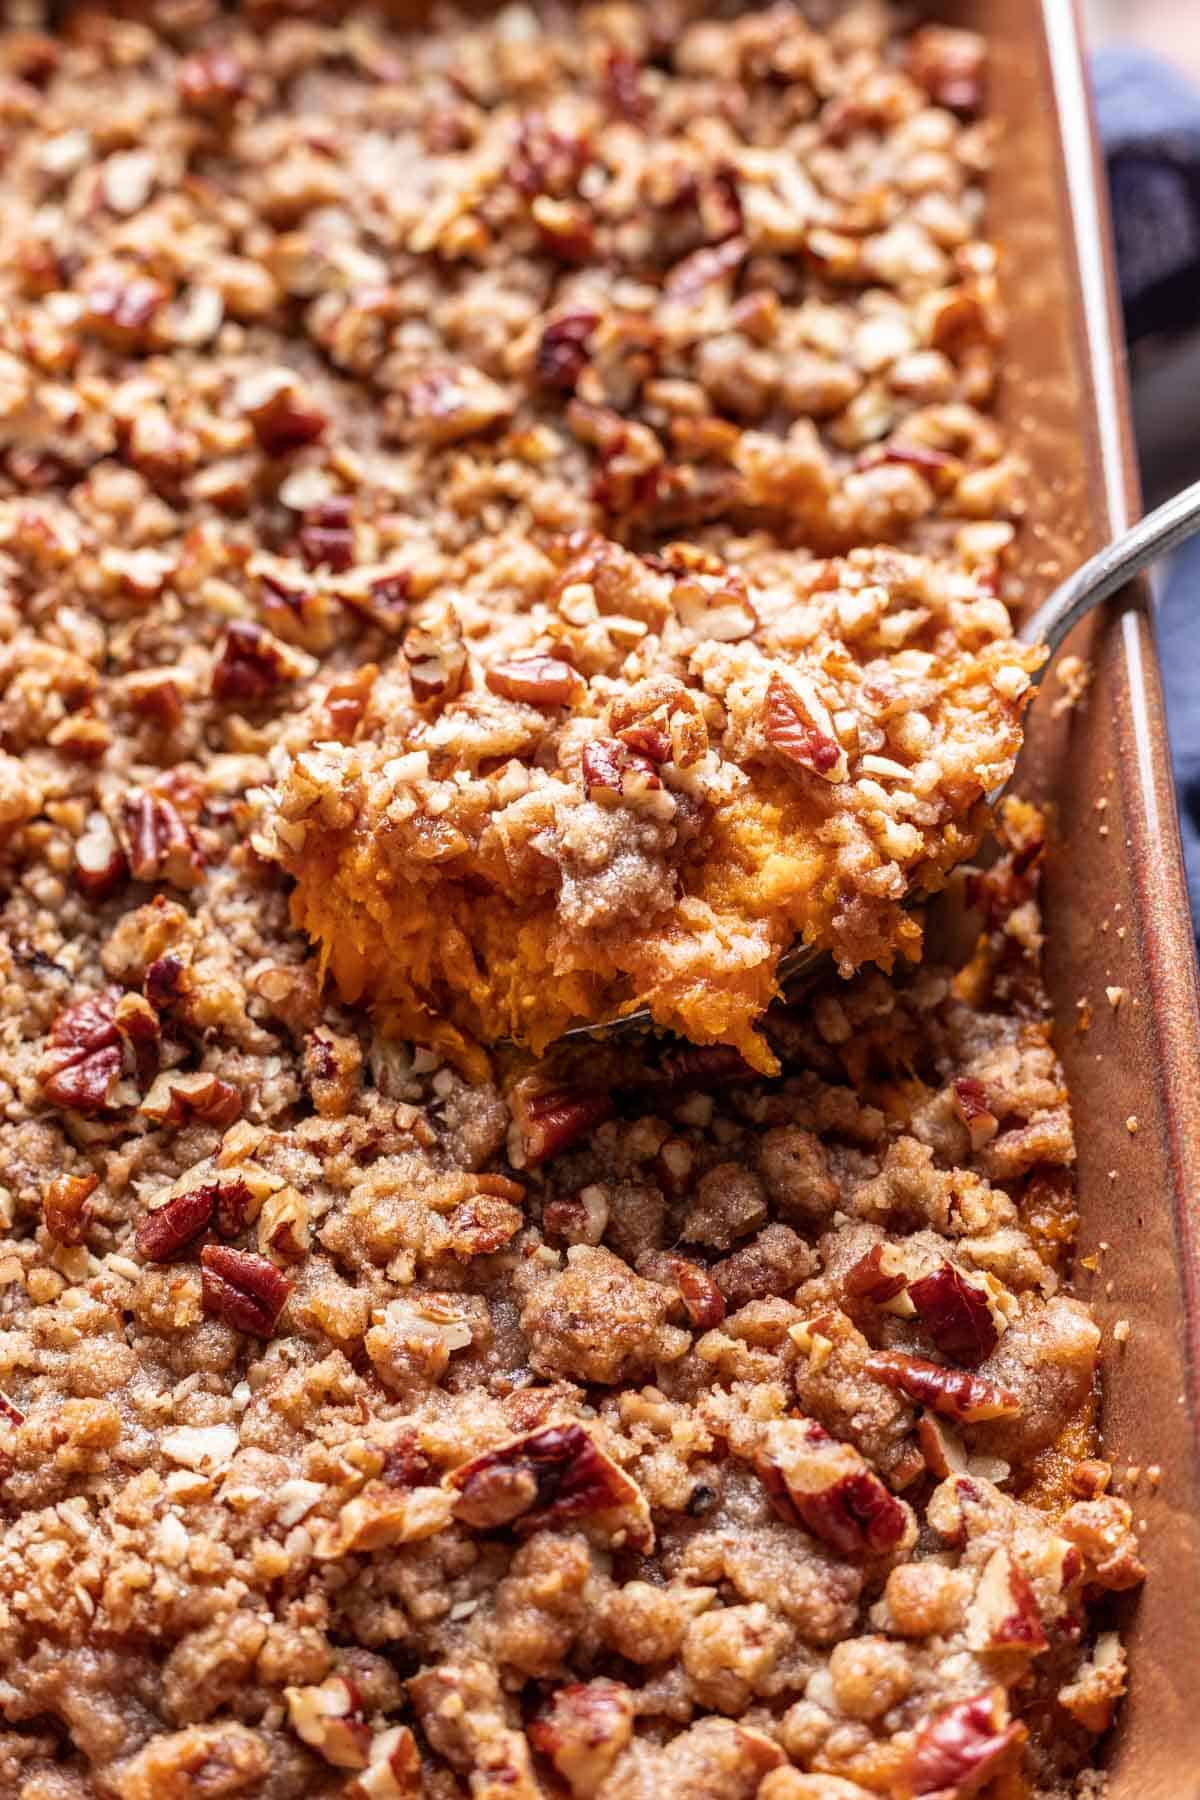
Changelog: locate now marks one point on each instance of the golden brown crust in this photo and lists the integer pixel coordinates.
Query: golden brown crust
(364, 1431)
(699, 307)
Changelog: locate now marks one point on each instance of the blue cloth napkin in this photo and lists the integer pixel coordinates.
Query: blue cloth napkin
(1149, 120)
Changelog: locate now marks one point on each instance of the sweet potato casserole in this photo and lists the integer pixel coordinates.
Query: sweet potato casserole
(500, 524)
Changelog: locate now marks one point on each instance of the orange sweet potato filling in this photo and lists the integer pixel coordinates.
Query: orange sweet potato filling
(456, 967)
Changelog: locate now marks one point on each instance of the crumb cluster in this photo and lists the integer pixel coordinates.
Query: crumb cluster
(473, 466)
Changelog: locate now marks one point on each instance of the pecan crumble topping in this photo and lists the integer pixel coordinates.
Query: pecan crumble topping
(679, 357)
(520, 461)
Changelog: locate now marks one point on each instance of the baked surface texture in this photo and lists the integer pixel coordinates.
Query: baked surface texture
(626, 1428)
(640, 321)
(714, 1421)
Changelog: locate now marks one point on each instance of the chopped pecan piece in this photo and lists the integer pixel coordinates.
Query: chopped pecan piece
(828, 1487)
(155, 695)
(231, 1200)
(281, 411)
(1102, 1530)
(37, 266)
(964, 1505)
(11, 1411)
(176, 1099)
(551, 1477)
(283, 1224)
(722, 615)
(463, 1717)
(332, 1065)
(799, 726)
(252, 664)
(165, 983)
(602, 763)
(347, 699)
(211, 82)
(702, 1298)
(583, 1729)
(100, 865)
(612, 771)
(330, 1719)
(961, 1750)
(536, 680)
(378, 1516)
(292, 992)
(957, 1313)
(419, 1336)
(547, 1122)
(949, 65)
(876, 1276)
(139, 1026)
(623, 85)
(66, 1207)
(943, 1450)
(166, 1230)
(247, 1291)
(480, 1226)
(159, 845)
(393, 1770)
(954, 1393)
(1009, 883)
(441, 406)
(674, 1166)
(577, 1218)
(122, 309)
(704, 267)
(327, 535)
(405, 1465)
(1090, 1478)
(545, 160)
(834, 254)
(756, 314)
(562, 353)
(81, 734)
(974, 1111)
(32, 56)
(679, 717)
(293, 605)
(86, 1055)
(1004, 1614)
(566, 227)
(1093, 1694)
(647, 741)
(960, 326)
(938, 466)
(436, 660)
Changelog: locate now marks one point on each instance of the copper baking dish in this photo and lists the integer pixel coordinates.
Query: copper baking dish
(1116, 911)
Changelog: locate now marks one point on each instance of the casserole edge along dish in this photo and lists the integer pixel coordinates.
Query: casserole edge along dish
(1115, 903)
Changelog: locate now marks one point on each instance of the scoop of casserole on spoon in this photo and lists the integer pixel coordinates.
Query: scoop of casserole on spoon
(1094, 582)
(595, 789)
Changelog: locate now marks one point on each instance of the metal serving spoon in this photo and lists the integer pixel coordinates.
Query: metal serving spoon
(1097, 580)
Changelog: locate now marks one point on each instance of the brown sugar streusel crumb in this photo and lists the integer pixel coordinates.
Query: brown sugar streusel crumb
(548, 459)
(675, 340)
(619, 1425)
(633, 1425)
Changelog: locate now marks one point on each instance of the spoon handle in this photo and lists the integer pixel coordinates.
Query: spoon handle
(1102, 575)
